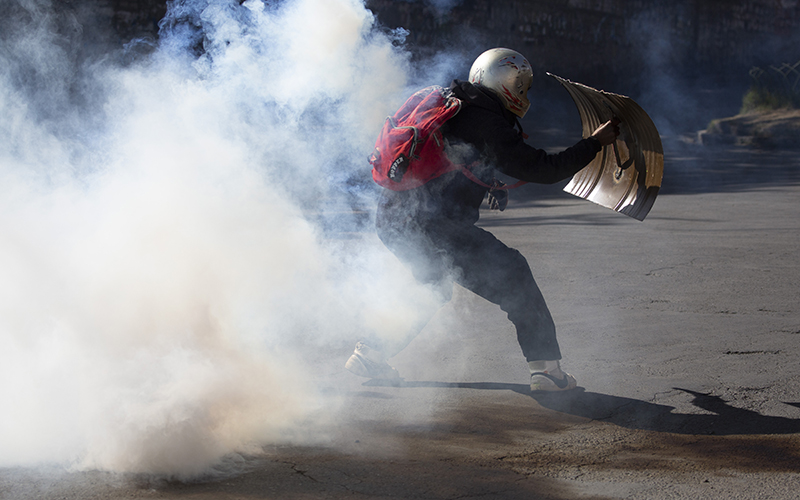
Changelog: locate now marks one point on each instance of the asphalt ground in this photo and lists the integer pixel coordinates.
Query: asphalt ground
(681, 330)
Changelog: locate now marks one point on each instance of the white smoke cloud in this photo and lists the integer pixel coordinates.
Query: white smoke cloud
(167, 275)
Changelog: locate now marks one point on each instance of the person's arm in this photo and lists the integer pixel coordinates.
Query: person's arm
(516, 158)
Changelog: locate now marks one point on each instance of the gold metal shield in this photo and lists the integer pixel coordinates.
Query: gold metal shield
(626, 175)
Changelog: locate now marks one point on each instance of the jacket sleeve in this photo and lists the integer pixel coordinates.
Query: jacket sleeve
(535, 165)
(506, 150)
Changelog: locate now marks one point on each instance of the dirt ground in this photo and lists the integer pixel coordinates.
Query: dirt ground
(682, 331)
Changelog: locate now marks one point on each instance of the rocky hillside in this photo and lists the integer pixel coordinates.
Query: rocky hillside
(775, 129)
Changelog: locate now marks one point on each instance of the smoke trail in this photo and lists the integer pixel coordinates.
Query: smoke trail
(443, 6)
(167, 268)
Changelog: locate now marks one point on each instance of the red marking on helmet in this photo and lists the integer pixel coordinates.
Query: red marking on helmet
(514, 101)
(508, 62)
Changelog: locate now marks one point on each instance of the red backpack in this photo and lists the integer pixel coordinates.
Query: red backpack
(405, 157)
(410, 149)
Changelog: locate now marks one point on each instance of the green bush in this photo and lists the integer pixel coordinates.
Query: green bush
(776, 88)
(761, 99)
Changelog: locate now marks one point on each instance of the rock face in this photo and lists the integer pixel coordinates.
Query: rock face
(777, 129)
(136, 18)
(603, 41)
(611, 40)
(660, 49)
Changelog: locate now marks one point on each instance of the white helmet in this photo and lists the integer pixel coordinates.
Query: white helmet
(508, 74)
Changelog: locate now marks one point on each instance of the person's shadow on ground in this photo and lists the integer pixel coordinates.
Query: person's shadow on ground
(722, 419)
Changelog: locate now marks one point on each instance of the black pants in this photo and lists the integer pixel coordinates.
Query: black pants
(442, 252)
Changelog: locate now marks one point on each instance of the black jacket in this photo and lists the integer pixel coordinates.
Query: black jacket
(482, 130)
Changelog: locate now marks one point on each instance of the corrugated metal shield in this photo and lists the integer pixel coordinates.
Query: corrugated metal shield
(626, 175)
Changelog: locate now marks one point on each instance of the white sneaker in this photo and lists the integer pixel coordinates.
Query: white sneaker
(367, 362)
(548, 376)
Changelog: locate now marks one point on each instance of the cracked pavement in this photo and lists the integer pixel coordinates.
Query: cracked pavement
(682, 331)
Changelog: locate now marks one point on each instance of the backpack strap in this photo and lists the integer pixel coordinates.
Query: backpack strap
(519, 126)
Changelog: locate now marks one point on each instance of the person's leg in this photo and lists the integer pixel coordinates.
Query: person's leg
(391, 344)
(430, 266)
(500, 274)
